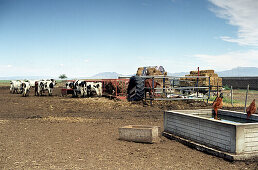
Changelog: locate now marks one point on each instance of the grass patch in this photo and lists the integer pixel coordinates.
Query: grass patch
(225, 100)
(226, 87)
(4, 82)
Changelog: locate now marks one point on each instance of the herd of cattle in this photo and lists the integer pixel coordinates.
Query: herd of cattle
(77, 87)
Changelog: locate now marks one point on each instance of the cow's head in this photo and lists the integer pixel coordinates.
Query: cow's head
(53, 81)
(70, 84)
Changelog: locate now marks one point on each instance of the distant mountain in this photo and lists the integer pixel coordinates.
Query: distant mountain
(178, 74)
(235, 72)
(239, 72)
(106, 75)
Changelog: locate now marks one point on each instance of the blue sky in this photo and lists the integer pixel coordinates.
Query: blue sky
(85, 37)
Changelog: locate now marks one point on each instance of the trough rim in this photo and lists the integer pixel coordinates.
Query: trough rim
(214, 120)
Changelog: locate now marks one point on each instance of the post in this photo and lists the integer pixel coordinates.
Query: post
(231, 95)
(152, 86)
(116, 88)
(209, 89)
(198, 82)
(164, 90)
(122, 83)
(246, 97)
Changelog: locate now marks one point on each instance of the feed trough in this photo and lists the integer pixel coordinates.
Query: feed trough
(233, 137)
(140, 133)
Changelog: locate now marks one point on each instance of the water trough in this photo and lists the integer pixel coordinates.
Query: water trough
(234, 137)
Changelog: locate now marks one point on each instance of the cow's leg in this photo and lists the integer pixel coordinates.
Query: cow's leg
(83, 92)
(28, 92)
(74, 93)
(50, 91)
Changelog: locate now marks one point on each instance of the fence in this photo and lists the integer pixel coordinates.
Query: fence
(116, 88)
(241, 82)
(171, 88)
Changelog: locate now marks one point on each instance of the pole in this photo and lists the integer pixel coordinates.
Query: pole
(164, 81)
(209, 89)
(116, 88)
(198, 82)
(152, 90)
(231, 95)
(246, 97)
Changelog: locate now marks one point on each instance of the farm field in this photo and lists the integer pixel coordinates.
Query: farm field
(82, 133)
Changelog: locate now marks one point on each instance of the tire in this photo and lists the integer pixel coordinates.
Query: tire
(135, 91)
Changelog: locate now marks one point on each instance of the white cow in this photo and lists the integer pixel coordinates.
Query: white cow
(44, 85)
(15, 86)
(93, 87)
(25, 87)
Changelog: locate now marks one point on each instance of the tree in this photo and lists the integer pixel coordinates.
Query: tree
(62, 76)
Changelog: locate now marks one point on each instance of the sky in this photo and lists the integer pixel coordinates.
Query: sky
(81, 38)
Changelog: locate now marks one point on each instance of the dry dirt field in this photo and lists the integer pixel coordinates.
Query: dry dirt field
(82, 133)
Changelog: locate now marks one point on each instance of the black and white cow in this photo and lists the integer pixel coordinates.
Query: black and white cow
(81, 87)
(78, 87)
(69, 84)
(44, 85)
(93, 87)
(25, 87)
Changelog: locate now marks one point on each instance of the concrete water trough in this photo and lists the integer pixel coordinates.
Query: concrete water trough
(140, 133)
(234, 137)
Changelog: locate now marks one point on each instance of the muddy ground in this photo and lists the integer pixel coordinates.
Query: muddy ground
(82, 133)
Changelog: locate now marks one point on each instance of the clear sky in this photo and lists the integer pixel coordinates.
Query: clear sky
(85, 37)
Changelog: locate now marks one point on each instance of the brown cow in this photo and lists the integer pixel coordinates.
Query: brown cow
(148, 86)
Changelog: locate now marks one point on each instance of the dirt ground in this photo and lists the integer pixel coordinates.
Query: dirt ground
(54, 132)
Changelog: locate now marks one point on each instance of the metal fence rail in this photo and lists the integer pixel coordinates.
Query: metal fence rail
(172, 84)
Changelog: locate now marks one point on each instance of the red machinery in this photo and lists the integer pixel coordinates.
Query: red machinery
(119, 87)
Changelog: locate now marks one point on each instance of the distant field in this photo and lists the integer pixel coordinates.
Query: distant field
(4, 82)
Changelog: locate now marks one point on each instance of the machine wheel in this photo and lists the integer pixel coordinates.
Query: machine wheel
(135, 91)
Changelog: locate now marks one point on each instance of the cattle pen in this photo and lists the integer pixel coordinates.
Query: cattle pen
(172, 88)
(115, 88)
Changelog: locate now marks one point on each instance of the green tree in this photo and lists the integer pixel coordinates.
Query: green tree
(62, 76)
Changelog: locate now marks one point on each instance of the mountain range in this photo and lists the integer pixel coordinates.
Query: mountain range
(235, 72)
